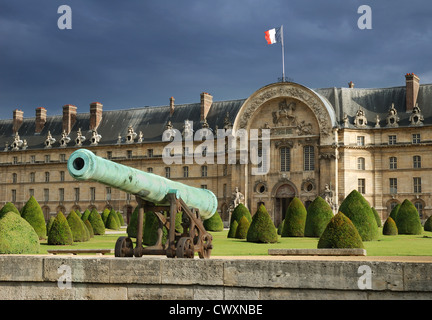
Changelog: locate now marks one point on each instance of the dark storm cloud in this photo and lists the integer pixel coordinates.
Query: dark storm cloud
(135, 53)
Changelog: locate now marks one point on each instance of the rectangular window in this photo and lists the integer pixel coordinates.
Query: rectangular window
(204, 171)
(31, 192)
(14, 178)
(129, 154)
(108, 193)
(309, 158)
(46, 195)
(62, 157)
(77, 194)
(361, 186)
(150, 153)
(32, 159)
(417, 162)
(109, 155)
(285, 159)
(393, 163)
(62, 176)
(416, 138)
(391, 139)
(47, 176)
(14, 195)
(15, 160)
(32, 177)
(393, 185)
(47, 158)
(360, 163)
(185, 172)
(92, 194)
(150, 170)
(417, 185)
(203, 186)
(61, 194)
(167, 172)
(360, 141)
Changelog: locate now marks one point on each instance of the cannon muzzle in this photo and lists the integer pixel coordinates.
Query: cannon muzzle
(85, 165)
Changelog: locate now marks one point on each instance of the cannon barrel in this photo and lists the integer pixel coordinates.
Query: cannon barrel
(85, 165)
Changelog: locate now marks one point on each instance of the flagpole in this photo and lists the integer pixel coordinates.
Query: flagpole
(283, 55)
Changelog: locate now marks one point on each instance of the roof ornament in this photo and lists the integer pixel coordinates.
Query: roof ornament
(377, 121)
(227, 122)
(360, 120)
(79, 139)
(169, 133)
(17, 143)
(187, 130)
(49, 141)
(64, 139)
(131, 135)
(119, 139)
(6, 146)
(95, 138)
(416, 118)
(140, 137)
(392, 117)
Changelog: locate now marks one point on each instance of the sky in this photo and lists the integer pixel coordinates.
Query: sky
(135, 53)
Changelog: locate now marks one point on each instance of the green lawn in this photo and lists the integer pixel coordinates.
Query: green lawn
(401, 245)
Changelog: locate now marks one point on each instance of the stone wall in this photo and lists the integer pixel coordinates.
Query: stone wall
(47, 277)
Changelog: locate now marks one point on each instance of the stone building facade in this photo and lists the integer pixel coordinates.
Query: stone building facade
(323, 142)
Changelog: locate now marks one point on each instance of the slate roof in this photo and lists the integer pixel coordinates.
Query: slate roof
(152, 120)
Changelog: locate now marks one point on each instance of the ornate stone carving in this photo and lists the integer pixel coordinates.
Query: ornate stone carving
(300, 94)
(304, 129)
(360, 120)
(416, 118)
(17, 143)
(285, 115)
(49, 141)
(79, 139)
(95, 138)
(392, 117)
(64, 139)
(377, 121)
(131, 135)
(284, 143)
(237, 198)
(327, 195)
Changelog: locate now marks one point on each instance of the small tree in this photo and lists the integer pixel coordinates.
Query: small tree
(60, 232)
(214, 223)
(95, 220)
(17, 236)
(357, 209)
(242, 228)
(295, 219)
(319, 214)
(32, 212)
(408, 219)
(76, 226)
(390, 228)
(9, 207)
(262, 228)
(340, 233)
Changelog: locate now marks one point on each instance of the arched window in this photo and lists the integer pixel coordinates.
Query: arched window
(285, 159)
(361, 163)
(308, 158)
(419, 207)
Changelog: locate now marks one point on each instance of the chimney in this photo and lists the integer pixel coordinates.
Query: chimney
(206, 103)
(351, 85)
(17, 120)
(69, 117)
(95, 115)
(172, 105)
(40, 119)
(412, 88)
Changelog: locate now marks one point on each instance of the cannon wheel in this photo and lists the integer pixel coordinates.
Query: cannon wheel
(185, 248)
(207, 247)
(123, 247)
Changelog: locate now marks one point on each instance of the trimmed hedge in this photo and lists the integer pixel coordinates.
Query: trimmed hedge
(295, 219)
(233, 229)
(85, 215)
(49, 224)
(319, 214)
(428, 224)
(357, 209)
(214, 223)
(242, 228)
(104, 215)
(394, 212)
(60, 232)
(340, 233)
(407, 219)
(236, 215)
(95, 220)
(9, 207)
(77, 227)
(377, 217)
(89, 228)
(32, 212)
(390, 228)
(17, 236)
(112, 221)
(262, 228)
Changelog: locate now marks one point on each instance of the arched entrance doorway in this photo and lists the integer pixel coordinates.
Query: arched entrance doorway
(283, 196)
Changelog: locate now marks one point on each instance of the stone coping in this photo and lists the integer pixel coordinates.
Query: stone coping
(317, 252)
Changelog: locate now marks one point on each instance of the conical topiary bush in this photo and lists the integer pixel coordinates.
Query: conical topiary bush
(340, 233)
(428, 224)
(214, 223)
(262, 228)
(120, 218)
(76, 226)
(104, 215)
(32, 212)
(49, 224)
(89, 228)
(357, 209)
(377, 217)
(408, 219)
(17, 236)
(60, 232)
(390, 228)
(295, 219)
(85, 215)
(112, 221)
(233, 229)
(242, 228)
(394, 212)
(236, 215)
(319, 214)
(95, 220)
(132, 227)
(9, 207)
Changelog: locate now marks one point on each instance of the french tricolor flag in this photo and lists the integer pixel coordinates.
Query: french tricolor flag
(273, 35)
